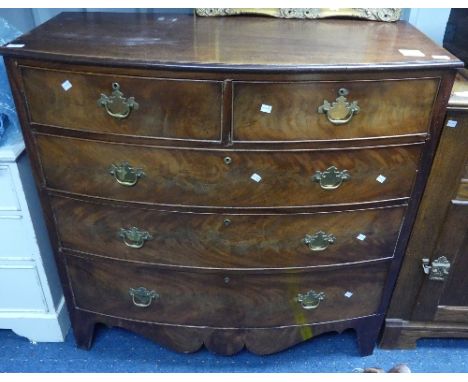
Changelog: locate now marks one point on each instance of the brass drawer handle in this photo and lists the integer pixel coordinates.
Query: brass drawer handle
(319, 241)
(340, 111)
(310, 299)
(125, 174)
(142, 297)
(117, 105)
(134, 237)
(331, 178)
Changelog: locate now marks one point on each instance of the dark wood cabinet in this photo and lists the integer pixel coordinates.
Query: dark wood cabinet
(229, 182)
(433, 301)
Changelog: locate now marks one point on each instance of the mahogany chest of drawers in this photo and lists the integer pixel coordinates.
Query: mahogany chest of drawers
(229, 182)
(431, 295)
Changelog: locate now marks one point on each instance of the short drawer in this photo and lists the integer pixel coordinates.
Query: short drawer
(224, 300)
(228, 240)
(172, 176)
(290, 111)
(167, 108)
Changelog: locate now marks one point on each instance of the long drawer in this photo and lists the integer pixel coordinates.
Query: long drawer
(227, 240)
(219, 299)
(176, 176)
(298, 111)
(162, 108)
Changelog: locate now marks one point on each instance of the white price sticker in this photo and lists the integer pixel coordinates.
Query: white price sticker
(361, 237)
(440, 57)
(411, 53)
(348, 294)
(15, 46)
(266, 108)
(452, 123)
(255, 177)
(66, 85)
(381, 178)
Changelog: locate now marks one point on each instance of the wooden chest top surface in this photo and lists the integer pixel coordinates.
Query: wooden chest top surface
(237, 43)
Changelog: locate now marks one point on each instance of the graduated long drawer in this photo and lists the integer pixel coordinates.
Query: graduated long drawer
(214, 240)
(189, 177)
(219, 299)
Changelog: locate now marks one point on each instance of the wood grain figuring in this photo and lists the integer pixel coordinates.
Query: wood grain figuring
(249, 241)
(168, 108)
(453, 244)
(201, 178)
(240, 301)
(388, 107)
(225, 43)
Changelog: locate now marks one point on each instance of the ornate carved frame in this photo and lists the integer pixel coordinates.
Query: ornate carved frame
(376, 14)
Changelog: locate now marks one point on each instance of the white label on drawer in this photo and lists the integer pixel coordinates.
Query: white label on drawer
(162, 18)
(437, 57)
(66, 85)
(361, 237)
(15, 46)
(255, 177)
(381, 178)
(348, 294)
(411, 53)
(266, 108)
(452, 123)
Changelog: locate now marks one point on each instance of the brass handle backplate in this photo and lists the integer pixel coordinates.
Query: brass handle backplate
(125, 174)
(319, 241)
(310, 299)
(331, 178)
(438, 270)
(142, 297)
(340, 111)
(134, 237)
(117, 105)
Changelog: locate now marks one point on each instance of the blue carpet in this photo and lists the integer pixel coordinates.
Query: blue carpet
(116, 350)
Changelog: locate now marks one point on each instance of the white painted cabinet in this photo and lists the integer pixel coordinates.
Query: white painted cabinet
(31, 298)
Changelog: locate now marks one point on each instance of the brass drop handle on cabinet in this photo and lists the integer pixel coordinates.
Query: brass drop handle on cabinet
(331, 178)
(438, 269)
(310, 299)
(125, 174)
(134, 237)
(319, 241)
(142, 297)
(340, 111)
(117, 105)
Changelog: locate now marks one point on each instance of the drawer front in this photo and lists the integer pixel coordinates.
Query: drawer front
(251, 179)
(15, 237)
(224, 300)
(20, 288)
(227, 241)
(179, 109)
(290, 110)
(8, 197)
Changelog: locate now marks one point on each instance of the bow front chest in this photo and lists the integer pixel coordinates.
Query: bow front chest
(229, 182)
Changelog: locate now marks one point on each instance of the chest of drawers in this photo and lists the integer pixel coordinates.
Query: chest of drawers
(232, 183)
